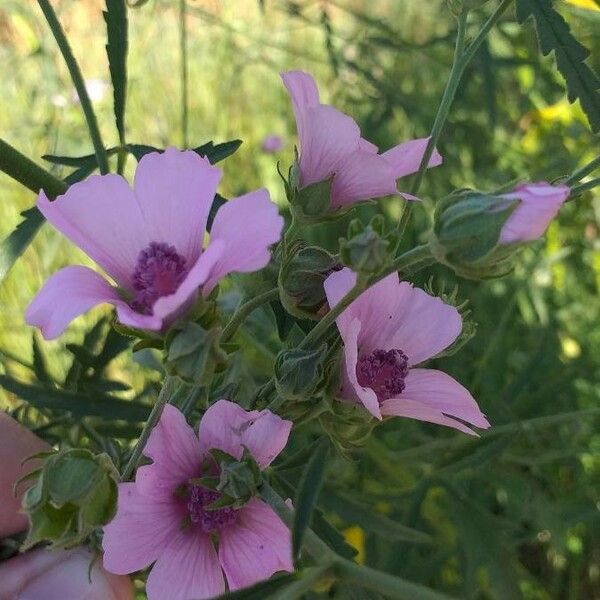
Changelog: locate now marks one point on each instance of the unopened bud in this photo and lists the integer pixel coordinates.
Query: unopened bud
(299, 372)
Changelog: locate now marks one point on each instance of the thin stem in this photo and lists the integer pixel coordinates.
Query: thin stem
(163, 398)
(244, 310)
(28, 173)
(308, 578)
(78, 83)
(183, 48)
(384, 583)
(584, 187)
(312, 543)
(585, 170)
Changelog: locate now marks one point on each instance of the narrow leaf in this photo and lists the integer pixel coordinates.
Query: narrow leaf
(307, 494)
(261, 590)
(115, 17)
(40, 366)
(218, 152)
(554, 34)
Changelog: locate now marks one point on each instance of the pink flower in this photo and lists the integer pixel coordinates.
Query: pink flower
(60, 575)
(388, 330)
(331, 144)
(162, 518)
(149, 241)
(540, 203)
(272, 143)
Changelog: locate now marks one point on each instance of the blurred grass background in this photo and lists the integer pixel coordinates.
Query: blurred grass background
(516, 513)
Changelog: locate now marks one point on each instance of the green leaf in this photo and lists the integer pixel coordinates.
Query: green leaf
(40, 367)
(218, 152)
(98, 405)
(555, 35)
(365, 516)
(218, 201)
(115, 17)
(140, 150)
(261, 590)
(307, 494)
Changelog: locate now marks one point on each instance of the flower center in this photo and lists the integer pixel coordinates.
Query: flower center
(384, 371)
(159, 271)
(209, 520)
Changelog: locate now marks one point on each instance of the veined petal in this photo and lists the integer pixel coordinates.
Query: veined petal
(176, 455)
(71, 292)
(405, 158)
(434, 396)
(102, 217)
(539, 204)
(257, 546)
(140, 531)
(361, 175)
(304, 94)
(187, 569)
(175, 190)
(246, 227)
(228, 427)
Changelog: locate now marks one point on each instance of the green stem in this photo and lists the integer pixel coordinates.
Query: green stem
(585, 170)
(312, 543)
(244, 310)
(28, 173)
(384, 583)
(462, 57)
(308, 578)
(78, 83)
(163, 398)
(184, 71)
(584, 187)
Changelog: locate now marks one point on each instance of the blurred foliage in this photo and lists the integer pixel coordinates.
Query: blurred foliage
(512, 515)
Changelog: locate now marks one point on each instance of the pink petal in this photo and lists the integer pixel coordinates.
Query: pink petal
(140, 531)
(406, 158)
(247, 226)
(255, 547)
(364, 394)
(540, 203)
(102, 217)
(421, 325)
(60, 575)
(176, 455)
(175, 190)
(304, 94)
(16, 444)
(188, 569)
(71, 292)
(228, 427)
(360, 176)
(367, 146)
(436, 397)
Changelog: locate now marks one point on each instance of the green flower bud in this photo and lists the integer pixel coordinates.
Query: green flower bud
(301, 280)
(194, 353)
(367, 249)
(348, 425)
(466, 234)
(298, 373)
(74, 493)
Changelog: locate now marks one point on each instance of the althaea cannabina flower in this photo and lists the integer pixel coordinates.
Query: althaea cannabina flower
(331, 145)
(162, 517)
(149, 241)
(386, 331)
(539, 204)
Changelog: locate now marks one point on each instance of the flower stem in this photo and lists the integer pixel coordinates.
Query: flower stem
(584, 187)
(78, 83)
(163, 398)
(183, 49)
(244, 310)
(28, 173)
(585, 170)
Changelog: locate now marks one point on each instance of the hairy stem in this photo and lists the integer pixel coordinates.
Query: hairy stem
(244, 310)
(78, 83)
(163, 398)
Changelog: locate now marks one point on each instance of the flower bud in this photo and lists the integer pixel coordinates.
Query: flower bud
(299, 372)
(367, 249)
(75, 492)
(349, 426)
(466, 233)
(194, 353)
(301, 280)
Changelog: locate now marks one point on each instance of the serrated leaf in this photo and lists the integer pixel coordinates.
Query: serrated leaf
(307, 494)
(555, 35)
(115, 17)
(98, 405)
